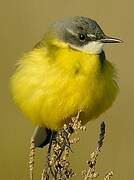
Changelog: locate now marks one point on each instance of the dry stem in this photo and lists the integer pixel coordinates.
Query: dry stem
(31, 158)
(58, 165)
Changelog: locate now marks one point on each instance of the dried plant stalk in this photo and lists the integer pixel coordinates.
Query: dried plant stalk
(58, 165)
(109, 175)
(91, 174)
(31, 158)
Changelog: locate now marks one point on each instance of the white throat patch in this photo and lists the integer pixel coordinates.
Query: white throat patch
(91, 48)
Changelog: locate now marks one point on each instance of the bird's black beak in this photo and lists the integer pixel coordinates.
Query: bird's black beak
(108, 39)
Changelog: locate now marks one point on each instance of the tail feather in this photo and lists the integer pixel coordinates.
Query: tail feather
(41, 136)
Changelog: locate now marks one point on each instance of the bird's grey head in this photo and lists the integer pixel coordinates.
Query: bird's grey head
(82, 33)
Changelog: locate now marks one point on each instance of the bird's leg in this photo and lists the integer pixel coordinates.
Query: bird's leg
(52, 137)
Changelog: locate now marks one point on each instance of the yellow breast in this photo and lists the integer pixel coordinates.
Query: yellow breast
(52, 84)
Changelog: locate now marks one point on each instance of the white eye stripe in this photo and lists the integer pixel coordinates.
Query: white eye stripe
(75, 34)
(91, 35)
(71, 32)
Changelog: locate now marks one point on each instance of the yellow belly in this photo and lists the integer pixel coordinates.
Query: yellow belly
(49, 90)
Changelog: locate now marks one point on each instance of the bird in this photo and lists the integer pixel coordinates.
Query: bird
(66, 72)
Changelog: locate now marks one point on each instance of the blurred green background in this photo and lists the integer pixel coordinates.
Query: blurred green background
(22, 24)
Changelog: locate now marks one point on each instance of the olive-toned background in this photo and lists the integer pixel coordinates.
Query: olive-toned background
(22, 24)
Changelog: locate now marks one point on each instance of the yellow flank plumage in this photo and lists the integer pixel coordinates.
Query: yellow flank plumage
(53, 82)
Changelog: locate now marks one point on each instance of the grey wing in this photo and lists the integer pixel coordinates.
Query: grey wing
(41, 136)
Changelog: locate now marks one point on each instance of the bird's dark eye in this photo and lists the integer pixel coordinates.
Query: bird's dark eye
(82, 37)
